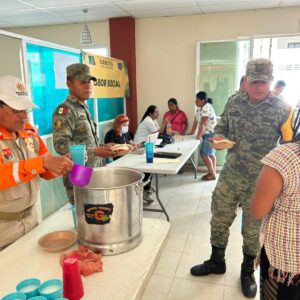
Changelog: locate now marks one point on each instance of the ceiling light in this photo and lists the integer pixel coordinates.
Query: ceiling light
(86, 37)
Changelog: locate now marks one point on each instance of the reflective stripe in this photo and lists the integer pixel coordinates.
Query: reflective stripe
(16, 172)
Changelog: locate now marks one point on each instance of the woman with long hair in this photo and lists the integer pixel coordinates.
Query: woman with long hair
(148, 125)
(276, 199)
(206, 122)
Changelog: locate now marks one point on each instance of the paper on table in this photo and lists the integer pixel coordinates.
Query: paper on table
(160, 160)
(158, 142)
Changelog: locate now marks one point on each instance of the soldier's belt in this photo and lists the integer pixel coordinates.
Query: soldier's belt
(13, 216)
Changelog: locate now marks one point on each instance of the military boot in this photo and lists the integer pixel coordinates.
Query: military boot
(215, 265)
(249, 287)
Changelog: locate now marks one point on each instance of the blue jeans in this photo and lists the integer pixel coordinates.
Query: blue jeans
(205, 149)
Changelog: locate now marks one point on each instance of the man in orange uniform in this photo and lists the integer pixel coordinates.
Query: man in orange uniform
(24, 158)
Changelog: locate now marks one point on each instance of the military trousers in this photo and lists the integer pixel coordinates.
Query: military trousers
(234, 188)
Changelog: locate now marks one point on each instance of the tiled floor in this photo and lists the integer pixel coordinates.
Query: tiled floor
(187, 201)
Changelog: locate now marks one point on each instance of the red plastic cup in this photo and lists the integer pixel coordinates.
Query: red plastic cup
(73, 287)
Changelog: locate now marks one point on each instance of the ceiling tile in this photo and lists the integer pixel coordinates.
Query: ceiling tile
(45, 12)
(236, 6)
(63, 3)
(166, 12)
(13, 6)
(154, 4)
(289, 2)
(36, 17)
(96, 12)
(15, 14)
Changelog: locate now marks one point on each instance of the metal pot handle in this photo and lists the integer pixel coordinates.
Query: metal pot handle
(140, 187)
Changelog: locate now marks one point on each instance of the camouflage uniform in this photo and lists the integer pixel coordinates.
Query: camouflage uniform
(73, 124)
(256, 129)
(237, 93)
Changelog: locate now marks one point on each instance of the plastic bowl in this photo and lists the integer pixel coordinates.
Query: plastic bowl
(57, 241)
(30, 287)
(51, 289)
(15, 296)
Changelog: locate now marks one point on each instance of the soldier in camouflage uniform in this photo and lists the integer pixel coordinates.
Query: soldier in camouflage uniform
(73, 124)
(253, 120)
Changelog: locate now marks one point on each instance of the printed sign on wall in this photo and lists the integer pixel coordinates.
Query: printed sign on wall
(112, 76)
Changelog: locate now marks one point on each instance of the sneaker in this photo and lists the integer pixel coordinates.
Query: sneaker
(147, 197)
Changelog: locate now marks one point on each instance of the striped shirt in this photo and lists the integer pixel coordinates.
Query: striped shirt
(282, 225)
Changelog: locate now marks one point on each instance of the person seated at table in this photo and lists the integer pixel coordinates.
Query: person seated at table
(119, 134)
(276, 200)
(24, 159)
(176, 117)
(147, 126)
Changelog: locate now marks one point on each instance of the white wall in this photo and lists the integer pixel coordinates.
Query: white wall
(165, 47)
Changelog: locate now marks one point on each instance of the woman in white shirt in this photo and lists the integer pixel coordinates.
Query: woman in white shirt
(148, 125)
(206, 121)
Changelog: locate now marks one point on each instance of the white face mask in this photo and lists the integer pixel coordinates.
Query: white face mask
(124, 129)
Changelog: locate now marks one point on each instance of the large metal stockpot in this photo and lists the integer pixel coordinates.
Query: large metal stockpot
(110, 210)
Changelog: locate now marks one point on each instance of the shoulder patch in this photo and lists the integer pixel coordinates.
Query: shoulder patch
(58, 124)
(7, 153)
(61, 110)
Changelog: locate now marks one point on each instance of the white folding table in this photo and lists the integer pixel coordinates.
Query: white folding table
(186, 147)
(124, 276)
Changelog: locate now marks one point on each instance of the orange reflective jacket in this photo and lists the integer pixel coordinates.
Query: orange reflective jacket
(21, 160)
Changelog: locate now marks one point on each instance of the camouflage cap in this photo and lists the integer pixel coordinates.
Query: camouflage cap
(80, 71)
(259, 69)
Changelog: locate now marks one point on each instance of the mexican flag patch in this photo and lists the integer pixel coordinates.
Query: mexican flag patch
(61, 111)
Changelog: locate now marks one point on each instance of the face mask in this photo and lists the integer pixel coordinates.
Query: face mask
(124, 129)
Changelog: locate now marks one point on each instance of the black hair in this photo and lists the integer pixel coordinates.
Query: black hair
(203, 96)
(280, 83)
(70, 78)
(295, 127)
(2, 103)
(150, 110)
(173, 101)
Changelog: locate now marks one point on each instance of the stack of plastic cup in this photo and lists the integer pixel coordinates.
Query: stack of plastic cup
(73, 287)
(15, 296)
(51, 289)
(30, 287)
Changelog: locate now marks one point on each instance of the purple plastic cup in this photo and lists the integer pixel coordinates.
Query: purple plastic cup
(80, 175)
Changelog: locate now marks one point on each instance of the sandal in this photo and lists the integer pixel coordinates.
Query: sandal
(209, 177)
(204, 176)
